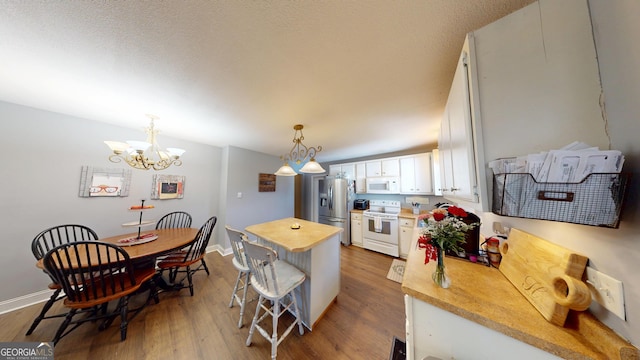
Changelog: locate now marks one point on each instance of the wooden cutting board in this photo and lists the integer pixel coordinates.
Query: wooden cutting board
(548, 275)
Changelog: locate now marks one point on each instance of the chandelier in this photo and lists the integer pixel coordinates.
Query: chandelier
(299, 153)
(145, 155)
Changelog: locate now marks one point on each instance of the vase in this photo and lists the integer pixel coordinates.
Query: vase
(439, 276)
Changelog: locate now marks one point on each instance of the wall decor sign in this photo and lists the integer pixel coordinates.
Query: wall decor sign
(167, 187)
(267, 183)
(100, 182)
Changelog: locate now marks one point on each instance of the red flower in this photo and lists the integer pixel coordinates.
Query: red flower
(456, 211)
(438, 216)
(431, 253)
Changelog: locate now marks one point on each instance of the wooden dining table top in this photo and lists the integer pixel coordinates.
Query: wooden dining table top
(168, 240)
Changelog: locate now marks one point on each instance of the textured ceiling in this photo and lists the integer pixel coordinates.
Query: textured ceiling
(364, 77)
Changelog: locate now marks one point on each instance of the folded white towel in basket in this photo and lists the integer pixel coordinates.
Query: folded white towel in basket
(377, 224)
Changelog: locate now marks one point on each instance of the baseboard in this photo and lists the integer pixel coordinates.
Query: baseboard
(24, 301)
(44, 295)
(219, 249)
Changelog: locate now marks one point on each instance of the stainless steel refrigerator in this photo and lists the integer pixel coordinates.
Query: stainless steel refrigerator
(336, 202)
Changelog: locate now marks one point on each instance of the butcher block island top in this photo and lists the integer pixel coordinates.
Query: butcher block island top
(483, 295)
(280, 232)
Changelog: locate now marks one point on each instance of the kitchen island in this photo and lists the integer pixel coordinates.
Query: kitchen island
(483, 316)
(313, 248)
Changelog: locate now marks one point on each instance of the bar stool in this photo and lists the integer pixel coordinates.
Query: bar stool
(275, 280)
(240, 262)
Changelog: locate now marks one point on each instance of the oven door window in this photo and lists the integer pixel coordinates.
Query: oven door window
(386, 227)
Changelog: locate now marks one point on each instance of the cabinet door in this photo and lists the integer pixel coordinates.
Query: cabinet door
(423, 175)
(349, 171)
(374, 168)
(461, 164)
(406, 234)
(444, 152)
(407, 175)
(361, 175)
(356, 229)
(390, 167)
(334, 169)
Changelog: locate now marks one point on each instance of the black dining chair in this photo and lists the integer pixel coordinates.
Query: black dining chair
(192, 253)
(93, 273)
(176, 219)
(43, 243)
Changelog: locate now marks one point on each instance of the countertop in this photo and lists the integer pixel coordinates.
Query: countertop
(483, 295)
(306, 237)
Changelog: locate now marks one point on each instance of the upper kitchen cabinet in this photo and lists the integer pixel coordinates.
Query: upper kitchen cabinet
(361, 177)
(384, 167)
(344, 170)
(457, 144)
(416, 174)
(532, 85)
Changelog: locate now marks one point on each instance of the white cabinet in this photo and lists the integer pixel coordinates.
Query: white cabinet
(361, 178)
(431, 331)
(406, 235)
(416, 174)
(356, 229)
(345, 170)
(457, 143)
(384, 167)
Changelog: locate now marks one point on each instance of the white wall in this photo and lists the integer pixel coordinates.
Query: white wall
(41, 178)
(615, 252)
(254, 207)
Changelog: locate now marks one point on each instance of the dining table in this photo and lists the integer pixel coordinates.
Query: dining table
(145, 247)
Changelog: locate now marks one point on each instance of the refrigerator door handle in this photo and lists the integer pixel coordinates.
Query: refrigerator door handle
(330, 197)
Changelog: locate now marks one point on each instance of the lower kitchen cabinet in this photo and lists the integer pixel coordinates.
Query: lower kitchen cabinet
(406, 234)
(356, 229)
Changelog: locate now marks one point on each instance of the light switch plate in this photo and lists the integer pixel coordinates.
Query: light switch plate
(607, 291)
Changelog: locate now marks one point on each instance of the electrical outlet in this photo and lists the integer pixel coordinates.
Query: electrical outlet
(607, 291)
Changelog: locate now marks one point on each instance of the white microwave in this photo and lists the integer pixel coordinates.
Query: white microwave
(383, 185)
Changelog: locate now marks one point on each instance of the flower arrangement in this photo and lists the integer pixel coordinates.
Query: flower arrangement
(445, 230)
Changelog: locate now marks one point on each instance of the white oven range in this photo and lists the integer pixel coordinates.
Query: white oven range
(380, 227)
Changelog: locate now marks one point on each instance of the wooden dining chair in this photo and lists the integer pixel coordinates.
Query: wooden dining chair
(275, 280)
(239, 261)
(194, 252)
(93, 273)
(176, 219)
(47, 240)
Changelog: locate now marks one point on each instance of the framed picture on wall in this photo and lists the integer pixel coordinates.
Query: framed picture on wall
(266, 183)
(168, 187)
(100, 182)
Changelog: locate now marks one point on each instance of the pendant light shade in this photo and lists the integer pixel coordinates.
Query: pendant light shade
(299, 153)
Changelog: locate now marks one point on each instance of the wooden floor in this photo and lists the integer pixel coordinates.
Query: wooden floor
(361, 324)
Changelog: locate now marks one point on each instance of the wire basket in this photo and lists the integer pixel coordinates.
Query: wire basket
(597, 200)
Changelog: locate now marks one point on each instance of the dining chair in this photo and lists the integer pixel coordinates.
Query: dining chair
(47, 240)
(176, 219)
(275, 280)
(239, 261)
(194, 252)
(93, 273)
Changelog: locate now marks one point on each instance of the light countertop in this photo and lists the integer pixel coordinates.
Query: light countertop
(306, 237)
(483, 295)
